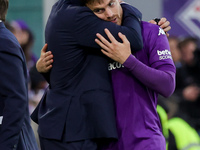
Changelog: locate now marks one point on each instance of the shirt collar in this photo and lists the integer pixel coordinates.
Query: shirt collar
(0, 20)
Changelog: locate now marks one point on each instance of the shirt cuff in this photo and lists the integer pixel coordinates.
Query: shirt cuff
(130, 62)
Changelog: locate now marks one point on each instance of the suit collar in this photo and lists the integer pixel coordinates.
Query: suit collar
(2, 24)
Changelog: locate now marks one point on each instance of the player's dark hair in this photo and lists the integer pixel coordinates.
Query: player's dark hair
(3, 9)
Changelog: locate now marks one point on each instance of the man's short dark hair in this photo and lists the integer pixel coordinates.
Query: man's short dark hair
(3, 9)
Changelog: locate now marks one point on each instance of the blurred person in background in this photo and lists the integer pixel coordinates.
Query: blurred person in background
(15, 130)
(26, 39)
(190, 70)
(179, 134)
(38, 84)
(176, 54)
(174, 99)
(186, 56)
(189, 78)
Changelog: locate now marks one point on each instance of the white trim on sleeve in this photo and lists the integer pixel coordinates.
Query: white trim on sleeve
(1, 119)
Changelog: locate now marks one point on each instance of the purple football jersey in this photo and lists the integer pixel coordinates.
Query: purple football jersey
(136, 85)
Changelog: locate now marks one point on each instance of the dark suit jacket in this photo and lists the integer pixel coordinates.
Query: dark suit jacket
(79, 102)
(15, 129)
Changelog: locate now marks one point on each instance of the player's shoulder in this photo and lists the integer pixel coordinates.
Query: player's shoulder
(153, 29)
(149, 26)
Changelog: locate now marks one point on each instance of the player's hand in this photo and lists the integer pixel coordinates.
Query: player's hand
(164, 24)
(44, 63)
(114, 49)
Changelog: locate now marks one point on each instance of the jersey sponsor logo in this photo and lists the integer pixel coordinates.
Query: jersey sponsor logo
(161, 32)
(114, 65)
(164, 54)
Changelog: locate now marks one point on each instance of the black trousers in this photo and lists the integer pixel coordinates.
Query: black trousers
(49, 144)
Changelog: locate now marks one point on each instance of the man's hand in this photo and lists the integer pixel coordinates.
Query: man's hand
(44, 64)
(164, 24)
(115, 50)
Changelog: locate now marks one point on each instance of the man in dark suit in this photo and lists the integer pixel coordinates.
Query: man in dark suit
(15, 130)
(86, 111)
(78, 107)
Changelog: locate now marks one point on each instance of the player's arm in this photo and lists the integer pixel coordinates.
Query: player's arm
(132, 17)
(161, 79)
(44, 64)
(86, 25)
(152, 77)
